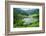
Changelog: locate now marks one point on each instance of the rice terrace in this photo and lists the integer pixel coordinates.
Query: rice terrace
(25, 17)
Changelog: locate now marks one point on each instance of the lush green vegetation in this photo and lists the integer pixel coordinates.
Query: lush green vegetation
(25, 18)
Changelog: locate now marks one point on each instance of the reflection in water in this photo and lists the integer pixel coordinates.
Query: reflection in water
(29, 20)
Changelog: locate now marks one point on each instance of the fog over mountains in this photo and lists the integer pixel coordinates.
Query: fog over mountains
(28, 12)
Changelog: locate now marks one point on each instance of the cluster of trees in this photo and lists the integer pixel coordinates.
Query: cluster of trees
(19, 14)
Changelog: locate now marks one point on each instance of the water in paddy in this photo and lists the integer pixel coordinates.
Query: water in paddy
(27, 20)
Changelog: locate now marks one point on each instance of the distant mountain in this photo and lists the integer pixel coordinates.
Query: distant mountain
(27, 12)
